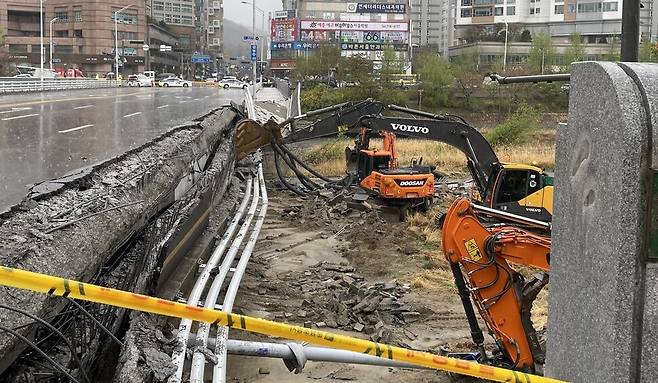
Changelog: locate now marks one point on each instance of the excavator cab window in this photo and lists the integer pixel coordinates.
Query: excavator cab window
(513, 186)
(369, 163)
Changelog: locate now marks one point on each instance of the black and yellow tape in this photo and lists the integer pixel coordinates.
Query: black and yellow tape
(65, 287)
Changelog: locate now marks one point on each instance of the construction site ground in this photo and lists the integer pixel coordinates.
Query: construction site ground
(320, 263)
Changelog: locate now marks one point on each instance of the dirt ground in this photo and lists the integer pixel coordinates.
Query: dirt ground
(319, 264)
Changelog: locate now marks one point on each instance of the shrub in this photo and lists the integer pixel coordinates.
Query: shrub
(320, 96)
(516, 129)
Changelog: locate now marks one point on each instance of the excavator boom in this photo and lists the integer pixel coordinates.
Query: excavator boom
(480, 259)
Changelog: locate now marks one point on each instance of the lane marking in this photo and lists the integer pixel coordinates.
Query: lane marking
(132, 114)
(14, 110)
(162, 106)
(64, 100)
(74, 129)
(17, 117)
(83, 107)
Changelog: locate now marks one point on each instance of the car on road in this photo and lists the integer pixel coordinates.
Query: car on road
(176, 82)
(232, 83)
(23, 75)
(139, 80)
(163, 76)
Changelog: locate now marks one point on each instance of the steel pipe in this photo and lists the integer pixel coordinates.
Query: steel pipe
(219, 371)
(178, 356)
(198, 358)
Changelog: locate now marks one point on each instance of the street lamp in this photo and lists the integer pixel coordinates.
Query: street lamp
(262, 42)
(41, 28)
(116, 41)
(253, 35)
(51, 42)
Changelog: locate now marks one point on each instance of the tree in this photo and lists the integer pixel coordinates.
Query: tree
(390, 67)
(319, 63)
(465, 71)
(526, 37)
(648, 51)
(436, 78)
(576, 50)
(542, 52)
(357, 70)
(4, 56)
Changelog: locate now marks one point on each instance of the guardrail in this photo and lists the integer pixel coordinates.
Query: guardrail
(21, 85)
(249, 103)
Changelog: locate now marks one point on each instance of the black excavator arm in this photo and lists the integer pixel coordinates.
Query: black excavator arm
(482, 160)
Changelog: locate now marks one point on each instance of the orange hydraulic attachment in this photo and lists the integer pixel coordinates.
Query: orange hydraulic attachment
(479, 257)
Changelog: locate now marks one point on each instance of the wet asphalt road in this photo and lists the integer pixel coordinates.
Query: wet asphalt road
(47, 135)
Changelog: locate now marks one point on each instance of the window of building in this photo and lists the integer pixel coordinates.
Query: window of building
(167, 7)
(537, 10)
(499, 11)
(216, 23)
(64, 33)
(217, 4)
(559, 1)
(64, 49)
(482, 2)
(186, 8)
(467, 3)
(78, 14)
(610, 7)
(589, 7)
(215, 41)
(211, 30)
(572, 8)
(559, 9)
(175, 7)
(511, 1)
(158, 5)
(175, 19)
(478, 12)
(62, 16)
(499, 1)
(77, 33)
(19, 48)
(211, 12)
(468, 12)
(186, 20)
(511, 11)
(532, 11)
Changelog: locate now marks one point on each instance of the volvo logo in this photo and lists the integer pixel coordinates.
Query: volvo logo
(410, 128)
(411, 183)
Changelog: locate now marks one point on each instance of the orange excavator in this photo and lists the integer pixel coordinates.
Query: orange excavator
(480, 256)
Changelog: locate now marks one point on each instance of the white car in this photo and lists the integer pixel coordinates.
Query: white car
(176, 82)
(139, 80)
(232, 83)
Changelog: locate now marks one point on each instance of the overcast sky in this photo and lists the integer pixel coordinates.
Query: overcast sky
(241, 13)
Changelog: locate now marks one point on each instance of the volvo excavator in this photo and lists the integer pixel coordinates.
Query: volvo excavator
(516, 188)
(480, 257)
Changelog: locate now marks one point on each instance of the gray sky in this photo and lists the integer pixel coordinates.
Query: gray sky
(241, 13)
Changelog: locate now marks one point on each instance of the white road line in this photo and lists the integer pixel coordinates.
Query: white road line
(83, 107)
(132, 114)
(74, 129)
(14, 110)
(17, 117)
(162, 106)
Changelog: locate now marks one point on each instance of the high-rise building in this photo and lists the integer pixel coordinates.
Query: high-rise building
(83, 34)
(215, 26)
(173, 12)
(363, 28)
(432, 24)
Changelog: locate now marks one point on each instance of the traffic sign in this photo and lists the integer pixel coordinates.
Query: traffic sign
(249, 38)
(145, 48)
(165, 48)
(200, 59)
(57, 61)
(254, 52)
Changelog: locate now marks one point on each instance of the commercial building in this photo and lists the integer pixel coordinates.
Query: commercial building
(432, 24)
(172, 12)
(83, 34)
(166, 61)
(363, 28)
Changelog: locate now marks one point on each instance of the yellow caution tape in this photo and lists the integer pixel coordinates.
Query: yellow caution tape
(65, 287)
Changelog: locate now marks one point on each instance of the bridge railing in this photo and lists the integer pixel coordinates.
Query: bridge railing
(22, 85)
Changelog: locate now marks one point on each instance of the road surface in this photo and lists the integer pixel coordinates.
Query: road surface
(47, 135)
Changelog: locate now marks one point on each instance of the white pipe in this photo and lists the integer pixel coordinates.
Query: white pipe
(316, 354)
(219, 372)
(178, 356)
(199, 359)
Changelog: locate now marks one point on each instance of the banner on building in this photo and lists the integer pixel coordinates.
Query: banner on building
(297, 45)
(285, 14)
(353, 26)
(373, 47)
(376, 8)
(284, 30)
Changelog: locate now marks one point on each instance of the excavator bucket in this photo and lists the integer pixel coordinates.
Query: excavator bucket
(251, 136)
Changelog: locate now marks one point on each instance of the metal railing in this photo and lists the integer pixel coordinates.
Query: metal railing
(249, 103)
(22, 85)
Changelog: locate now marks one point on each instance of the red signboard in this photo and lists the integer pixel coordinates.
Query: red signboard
(284, 31)
(282, 64)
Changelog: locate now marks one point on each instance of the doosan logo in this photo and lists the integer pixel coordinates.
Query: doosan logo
(412, 183)
(410, 128)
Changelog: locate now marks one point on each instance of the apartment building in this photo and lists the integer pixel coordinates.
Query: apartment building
(432, 24)
(83, 33)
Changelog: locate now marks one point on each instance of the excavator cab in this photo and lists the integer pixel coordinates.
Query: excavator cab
(521, 189)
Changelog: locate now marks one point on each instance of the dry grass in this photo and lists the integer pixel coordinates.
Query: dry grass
(329, 157)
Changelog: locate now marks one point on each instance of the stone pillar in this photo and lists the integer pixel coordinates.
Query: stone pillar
(603, 304)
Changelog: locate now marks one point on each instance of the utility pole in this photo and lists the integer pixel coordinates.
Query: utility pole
(41, 28)
(51, 42)
(630, 30)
